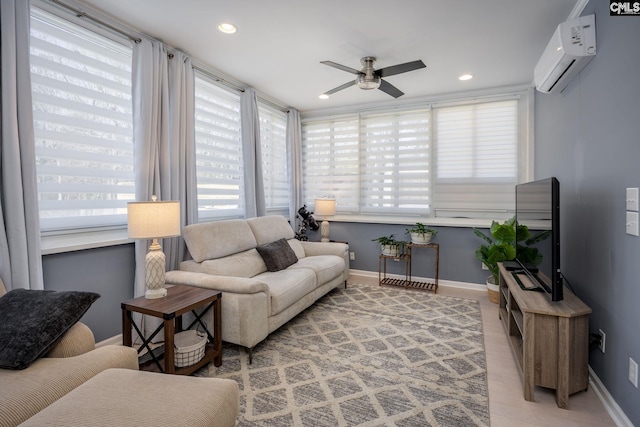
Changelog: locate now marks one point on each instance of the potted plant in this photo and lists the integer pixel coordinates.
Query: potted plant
(504, 243)
(420, 233)
(390, 246)
(499, 247)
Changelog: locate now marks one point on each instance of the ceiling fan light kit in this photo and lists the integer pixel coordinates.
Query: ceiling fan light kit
(369, 78)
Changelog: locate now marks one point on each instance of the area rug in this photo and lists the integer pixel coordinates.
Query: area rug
(366, 355)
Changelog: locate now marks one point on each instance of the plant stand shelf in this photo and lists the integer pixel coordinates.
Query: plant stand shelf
(407, 282)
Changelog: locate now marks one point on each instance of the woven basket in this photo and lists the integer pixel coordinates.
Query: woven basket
(493, 296)
(189, 348)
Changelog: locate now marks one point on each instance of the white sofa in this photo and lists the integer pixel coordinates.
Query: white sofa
(255, 302)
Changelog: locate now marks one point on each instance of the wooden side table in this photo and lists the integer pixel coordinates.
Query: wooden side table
(179, 300)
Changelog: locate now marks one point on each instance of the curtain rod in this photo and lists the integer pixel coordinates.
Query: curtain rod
(218, 78)
(81, 14)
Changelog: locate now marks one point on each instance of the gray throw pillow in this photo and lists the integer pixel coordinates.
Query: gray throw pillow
(34, 320)
(277, 255)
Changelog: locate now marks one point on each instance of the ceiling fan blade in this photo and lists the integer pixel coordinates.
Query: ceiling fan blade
(344, 86)
(400, 68)
(341, 67)
(390, 89)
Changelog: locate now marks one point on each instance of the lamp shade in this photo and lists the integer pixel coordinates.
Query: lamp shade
(325, 207)
(153, 220)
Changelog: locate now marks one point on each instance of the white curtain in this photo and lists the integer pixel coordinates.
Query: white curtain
(20, 257)
(253, 185)
(151, 131)
(294, 150)
(178, 171)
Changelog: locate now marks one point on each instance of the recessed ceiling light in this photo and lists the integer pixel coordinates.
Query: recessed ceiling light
(324, 96)
(227, 28)
(465, 77)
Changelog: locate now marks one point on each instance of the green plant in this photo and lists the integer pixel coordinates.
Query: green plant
(420, 228)
(527, 253)
(505, 242)
(500, 245)
(390, 241)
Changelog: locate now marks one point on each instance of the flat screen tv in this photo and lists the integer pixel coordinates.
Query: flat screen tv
(538, 234)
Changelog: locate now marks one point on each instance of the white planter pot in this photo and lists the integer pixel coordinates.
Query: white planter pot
(420, 238)
(390, 250)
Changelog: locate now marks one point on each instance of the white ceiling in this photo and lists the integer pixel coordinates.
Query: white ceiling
(280, 43)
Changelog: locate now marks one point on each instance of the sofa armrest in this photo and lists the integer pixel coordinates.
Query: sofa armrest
(325, 248)
(232, 284)
(78, 340)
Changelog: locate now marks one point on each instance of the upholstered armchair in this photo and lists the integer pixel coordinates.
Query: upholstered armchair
(73, 360)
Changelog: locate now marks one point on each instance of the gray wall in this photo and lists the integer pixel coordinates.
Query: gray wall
(457, 250)
(589, 137)
(107, 271)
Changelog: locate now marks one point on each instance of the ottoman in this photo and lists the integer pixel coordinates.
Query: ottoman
(124, 397)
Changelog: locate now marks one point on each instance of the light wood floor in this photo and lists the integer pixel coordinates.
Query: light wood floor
(507, 406)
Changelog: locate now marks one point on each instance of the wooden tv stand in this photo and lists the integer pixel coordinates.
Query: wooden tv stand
(549, 340)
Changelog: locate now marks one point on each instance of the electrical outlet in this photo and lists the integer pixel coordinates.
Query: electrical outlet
(633, 372)
(352, 256)
(603, 340)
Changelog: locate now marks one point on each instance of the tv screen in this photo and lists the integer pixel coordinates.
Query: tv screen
(538, 233)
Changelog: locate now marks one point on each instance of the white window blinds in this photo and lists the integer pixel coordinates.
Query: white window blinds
(394, 158)
(218, 151)
(81, 84)
(371, 163)
(477, 152)
(330, 162)
(273, 140)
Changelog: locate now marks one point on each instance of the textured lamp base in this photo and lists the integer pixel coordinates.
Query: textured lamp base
(155, 293)
(324, 231)
(155, 266)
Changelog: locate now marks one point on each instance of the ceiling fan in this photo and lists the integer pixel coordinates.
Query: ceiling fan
(370, 78)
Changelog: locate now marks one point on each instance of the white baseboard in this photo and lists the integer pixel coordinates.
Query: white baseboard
(616, 413)
(354, 274)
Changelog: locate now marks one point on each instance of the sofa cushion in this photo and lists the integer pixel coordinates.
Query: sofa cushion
(216, 239)
(297, 247)
(287, 286)
(34, 320)
(270, 228)
(277, 255)
(245, 264)
(326, 267)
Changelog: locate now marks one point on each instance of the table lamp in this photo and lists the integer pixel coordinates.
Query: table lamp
(154, 220)
(325, 207)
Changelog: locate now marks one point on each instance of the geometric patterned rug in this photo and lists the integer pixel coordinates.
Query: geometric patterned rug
(366, 355)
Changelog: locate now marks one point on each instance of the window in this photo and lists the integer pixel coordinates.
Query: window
(477, 158)
(371, 163)
(273, 138)
(81, 88)
(219, 166)
(454, 159)
(330, 162)
(394, 157)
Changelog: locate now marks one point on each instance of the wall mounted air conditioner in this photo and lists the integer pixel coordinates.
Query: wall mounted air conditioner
(572, 46)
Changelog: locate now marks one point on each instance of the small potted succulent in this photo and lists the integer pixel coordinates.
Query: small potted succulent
(390, 246)
(420, 233)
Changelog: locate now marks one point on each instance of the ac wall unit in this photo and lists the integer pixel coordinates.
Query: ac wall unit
(572, 46)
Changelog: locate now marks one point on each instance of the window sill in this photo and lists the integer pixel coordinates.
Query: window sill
(61, 243)
(404, 220)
